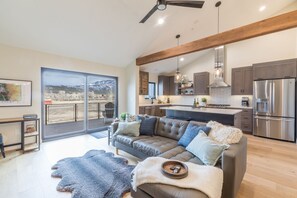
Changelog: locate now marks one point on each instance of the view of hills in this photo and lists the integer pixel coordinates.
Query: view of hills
(99, 87)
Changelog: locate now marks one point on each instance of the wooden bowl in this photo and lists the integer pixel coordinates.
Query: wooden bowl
(168, 169)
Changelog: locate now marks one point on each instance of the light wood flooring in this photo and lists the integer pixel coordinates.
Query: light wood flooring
(271, 169)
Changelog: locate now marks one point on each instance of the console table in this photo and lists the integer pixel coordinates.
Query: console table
(27, 131)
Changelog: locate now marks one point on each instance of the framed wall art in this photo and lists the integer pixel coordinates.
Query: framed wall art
(15, 93)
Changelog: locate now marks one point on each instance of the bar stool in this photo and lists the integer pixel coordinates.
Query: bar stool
(2, 146)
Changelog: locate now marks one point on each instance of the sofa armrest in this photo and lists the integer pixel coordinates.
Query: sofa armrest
(234, 167)
(113, 128)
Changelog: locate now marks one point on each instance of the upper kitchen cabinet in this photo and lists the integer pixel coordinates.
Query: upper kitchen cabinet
(275, 70)
(242, 81)
(166, 85)
(163, 85)
(201, 83)
(143, 83)
(173, 87)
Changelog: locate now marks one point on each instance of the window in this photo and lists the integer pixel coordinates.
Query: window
(151, 91)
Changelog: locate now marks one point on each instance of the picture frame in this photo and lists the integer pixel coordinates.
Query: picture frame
(15, 93)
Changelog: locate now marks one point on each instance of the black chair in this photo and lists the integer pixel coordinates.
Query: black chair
(2, 146)
(109, 111)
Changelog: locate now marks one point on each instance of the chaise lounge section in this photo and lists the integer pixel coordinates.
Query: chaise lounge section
(164, 143)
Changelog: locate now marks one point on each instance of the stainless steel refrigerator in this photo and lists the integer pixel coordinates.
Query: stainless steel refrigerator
(274, 109)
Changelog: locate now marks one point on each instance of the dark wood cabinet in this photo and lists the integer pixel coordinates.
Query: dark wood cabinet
(247, 120)
(201, 83)
(166, 86)
(163, 85)
(153, 110)
(173, 87)
(275, 69)
(242, 81)
(143, 83)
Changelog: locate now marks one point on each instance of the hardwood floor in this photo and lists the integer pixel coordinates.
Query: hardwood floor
(271, 169)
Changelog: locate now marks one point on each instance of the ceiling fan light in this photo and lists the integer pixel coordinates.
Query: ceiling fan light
(161, 5)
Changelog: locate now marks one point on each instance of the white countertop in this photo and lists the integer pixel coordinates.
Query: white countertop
(204, 110)
(155, 104)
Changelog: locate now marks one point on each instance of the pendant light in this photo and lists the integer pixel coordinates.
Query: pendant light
(177, 76)
(218, 66)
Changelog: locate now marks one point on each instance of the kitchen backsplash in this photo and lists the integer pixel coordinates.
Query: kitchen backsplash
(217, 96)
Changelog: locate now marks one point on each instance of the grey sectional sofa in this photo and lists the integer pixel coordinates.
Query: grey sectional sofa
(164, 144)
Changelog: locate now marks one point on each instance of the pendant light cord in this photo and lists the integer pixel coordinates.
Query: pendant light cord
(177, 58)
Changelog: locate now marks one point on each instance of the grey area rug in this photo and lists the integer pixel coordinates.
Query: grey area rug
(99, 135)
(97, 174)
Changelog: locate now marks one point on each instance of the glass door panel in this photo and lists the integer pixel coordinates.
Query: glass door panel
(102, 101)
(63, 105)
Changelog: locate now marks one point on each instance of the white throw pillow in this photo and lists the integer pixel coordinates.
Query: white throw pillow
(128, 128)
(224, 134)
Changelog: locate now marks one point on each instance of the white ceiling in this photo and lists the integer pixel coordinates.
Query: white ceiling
(109, 32)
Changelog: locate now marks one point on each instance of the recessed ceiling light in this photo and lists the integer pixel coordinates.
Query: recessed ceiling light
(262, 8)
(181, 59)
(161, 21)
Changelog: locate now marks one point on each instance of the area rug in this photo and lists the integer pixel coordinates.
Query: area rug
(97, 174)
(99, 135)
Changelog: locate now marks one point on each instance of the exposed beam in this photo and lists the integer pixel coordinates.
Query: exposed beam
(267, 26)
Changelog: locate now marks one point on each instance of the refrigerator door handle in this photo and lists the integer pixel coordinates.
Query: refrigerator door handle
(261, 118)
(273, 97)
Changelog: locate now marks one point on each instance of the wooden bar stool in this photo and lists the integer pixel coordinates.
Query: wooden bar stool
(2, 146)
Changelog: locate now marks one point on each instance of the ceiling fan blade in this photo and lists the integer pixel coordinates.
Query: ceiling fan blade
(151, 12)
(190, 4)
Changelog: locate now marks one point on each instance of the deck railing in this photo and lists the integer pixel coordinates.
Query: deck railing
(72, 112)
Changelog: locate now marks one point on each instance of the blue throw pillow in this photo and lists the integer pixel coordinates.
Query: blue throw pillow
(147, 125)
(191, 132)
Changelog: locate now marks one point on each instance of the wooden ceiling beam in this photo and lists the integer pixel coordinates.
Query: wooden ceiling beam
(267, 26)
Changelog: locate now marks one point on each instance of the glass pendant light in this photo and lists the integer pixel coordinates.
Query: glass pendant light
(178, 75)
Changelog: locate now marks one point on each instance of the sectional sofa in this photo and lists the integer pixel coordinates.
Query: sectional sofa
(164, 143)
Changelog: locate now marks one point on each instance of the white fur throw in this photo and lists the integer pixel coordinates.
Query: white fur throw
(207, 179)
(224, 134)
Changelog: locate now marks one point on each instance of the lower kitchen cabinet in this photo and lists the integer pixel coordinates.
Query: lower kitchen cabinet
(153, 110)
(247, 121)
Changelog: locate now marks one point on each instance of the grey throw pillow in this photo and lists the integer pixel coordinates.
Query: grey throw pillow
(128, 128)
(207, 150)
(147, 125)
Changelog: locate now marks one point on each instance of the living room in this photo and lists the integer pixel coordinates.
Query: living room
(106, 40)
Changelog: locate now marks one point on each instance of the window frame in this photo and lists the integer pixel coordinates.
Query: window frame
(155, 95)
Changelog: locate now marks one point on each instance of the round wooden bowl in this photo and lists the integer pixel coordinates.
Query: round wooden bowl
(167, 169)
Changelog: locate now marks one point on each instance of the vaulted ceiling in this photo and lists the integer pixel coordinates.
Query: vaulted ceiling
(109, 32)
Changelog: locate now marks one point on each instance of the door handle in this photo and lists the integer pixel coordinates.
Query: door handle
(259, 118)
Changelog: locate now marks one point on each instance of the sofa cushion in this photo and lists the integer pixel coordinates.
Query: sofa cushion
(153, 146)
(191, 132)
(181, 154)
(207, 150)
(128, 140)
(147, 125)
(171, 128)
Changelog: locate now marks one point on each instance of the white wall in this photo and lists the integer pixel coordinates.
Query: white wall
(272, 47)
(132, 76)
(23, 64)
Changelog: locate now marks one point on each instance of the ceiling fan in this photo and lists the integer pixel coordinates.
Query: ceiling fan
(162, 4)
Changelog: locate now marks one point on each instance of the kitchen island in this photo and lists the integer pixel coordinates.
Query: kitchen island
(230, 117)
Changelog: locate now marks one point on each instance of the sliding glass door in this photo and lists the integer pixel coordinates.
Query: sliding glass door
(76, 102)
(102, 101)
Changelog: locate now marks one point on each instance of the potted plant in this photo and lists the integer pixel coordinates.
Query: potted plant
(123, 116)
(203, 102)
